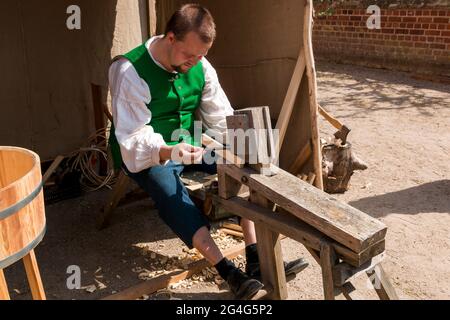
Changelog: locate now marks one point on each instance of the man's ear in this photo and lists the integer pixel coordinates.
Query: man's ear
(171, 37)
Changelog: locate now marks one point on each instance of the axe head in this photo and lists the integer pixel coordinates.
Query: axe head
(342, 134)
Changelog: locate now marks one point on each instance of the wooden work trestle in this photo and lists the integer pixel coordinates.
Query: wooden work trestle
(344, 241)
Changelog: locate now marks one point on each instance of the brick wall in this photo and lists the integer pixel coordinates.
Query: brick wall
(416, 39)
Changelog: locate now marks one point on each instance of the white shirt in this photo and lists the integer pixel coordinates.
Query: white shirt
(139, 143)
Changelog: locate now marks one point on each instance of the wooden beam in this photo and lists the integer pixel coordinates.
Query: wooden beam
(294, 228)
(161, 282)
(338, 220)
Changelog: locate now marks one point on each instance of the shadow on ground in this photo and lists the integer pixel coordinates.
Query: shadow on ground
(424, 198)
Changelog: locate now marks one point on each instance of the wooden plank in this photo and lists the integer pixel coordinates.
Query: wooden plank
(381, 283)
(338, 220)
(327, 261)
(270, 256)
(34, 277)
(312, 86)
(164, 281)
(294, 228)
(291, 95)
(4, 294)
(343, 272)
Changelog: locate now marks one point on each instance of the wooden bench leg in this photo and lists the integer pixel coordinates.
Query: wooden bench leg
(327, 262)
(34, 277)
(381, 283)
(117, 194)
(270, 256)
(4, 294)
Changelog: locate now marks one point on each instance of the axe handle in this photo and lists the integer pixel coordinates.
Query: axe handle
(334, 122)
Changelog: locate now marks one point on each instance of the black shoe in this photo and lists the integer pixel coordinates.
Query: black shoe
(290, 268)
(242, 286)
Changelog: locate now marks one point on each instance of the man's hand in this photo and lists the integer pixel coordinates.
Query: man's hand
(183, 153)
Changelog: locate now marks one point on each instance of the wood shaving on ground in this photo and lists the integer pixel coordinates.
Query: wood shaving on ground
(159, 264)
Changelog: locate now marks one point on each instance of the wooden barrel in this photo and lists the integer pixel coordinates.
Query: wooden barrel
(22, 211)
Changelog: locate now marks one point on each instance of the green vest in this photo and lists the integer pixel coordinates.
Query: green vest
(174, 99)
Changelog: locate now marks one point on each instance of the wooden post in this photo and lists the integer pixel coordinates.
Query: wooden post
(270, 256)
(34, 277)
(228, 187)
(4, 294)
(327, 262)
(380, 282)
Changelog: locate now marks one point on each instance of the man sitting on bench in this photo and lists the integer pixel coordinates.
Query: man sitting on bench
(158, 88)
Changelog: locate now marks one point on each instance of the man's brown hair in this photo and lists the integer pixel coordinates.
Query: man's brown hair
(192, 17)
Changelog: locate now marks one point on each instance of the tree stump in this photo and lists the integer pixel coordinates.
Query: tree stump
(338, 165)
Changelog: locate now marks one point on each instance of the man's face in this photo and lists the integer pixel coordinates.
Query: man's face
(186, 53)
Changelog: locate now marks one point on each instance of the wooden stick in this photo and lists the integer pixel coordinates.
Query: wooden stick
(34, 277)
(52, 168)
(311, 72)
(232, 232)
(164, 281)
(232, 226)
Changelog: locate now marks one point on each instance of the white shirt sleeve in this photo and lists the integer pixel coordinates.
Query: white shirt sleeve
(139, 144)
(214, 106)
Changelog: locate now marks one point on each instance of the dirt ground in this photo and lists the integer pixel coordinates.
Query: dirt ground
(400, 127)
